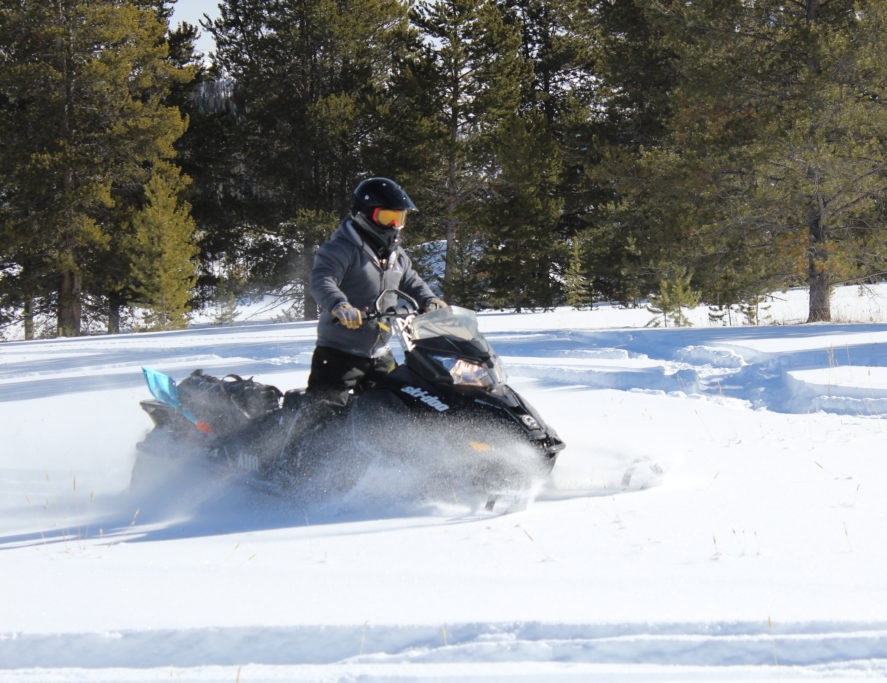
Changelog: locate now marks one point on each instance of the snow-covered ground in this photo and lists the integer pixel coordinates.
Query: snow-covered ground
(719, 514)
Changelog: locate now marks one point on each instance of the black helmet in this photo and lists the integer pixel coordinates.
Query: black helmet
(375, 193)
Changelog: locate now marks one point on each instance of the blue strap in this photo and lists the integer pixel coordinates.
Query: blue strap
(163, 388)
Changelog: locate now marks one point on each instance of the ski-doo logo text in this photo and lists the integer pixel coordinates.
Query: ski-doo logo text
(426, 398)
(248, 462)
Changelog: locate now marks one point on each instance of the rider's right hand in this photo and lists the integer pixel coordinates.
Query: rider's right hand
(346, 314)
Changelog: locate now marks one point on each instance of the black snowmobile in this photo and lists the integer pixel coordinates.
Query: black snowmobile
(445, 414)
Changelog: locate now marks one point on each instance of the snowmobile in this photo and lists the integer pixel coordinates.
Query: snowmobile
(445, 413)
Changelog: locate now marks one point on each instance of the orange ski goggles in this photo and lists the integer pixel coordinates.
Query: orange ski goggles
(390, 218)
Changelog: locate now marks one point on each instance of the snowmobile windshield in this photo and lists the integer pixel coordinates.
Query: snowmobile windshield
(451, 338)
(449, 321)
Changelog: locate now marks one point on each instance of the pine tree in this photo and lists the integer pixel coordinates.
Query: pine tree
(675, 293)
(163, 250)
(777, 128)
(578, 287)
(521, 216)
(826, 170)
(472, 75)
(632, 213)
(82, 87)
(528, 219)
(308, 89)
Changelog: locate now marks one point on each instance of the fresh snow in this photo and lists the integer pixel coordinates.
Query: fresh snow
(719, 514)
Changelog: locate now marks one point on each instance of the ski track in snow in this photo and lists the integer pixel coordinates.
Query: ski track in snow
(371, 652)
(823, 370)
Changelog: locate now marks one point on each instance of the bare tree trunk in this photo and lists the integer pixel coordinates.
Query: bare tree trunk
(820, 309)
(451, 202)
(309, 305)
(70, 281)
(812, 10)
(450, 223)
(113, 314)
(69, 306)
(28, 318)
(450, 256)
(818, 277)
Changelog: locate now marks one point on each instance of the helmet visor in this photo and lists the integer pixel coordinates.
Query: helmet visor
(390, 218)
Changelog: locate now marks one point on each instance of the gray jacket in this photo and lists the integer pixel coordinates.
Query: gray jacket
(347, 269)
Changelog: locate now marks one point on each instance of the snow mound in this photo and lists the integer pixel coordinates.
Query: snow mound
(716, 357)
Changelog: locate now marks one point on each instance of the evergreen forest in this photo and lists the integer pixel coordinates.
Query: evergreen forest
(561, 152)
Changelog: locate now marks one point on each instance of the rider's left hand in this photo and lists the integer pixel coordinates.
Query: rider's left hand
(434, 304)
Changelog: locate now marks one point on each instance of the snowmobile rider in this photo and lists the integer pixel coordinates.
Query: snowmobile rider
(362, 258)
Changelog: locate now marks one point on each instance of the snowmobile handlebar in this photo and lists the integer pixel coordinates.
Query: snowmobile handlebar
(410, 307)
(405, 307)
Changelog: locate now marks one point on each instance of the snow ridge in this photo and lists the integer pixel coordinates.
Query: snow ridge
(838, 370)
(736, 644)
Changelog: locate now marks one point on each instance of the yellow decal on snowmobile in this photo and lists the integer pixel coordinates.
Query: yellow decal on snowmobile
(480, 447)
